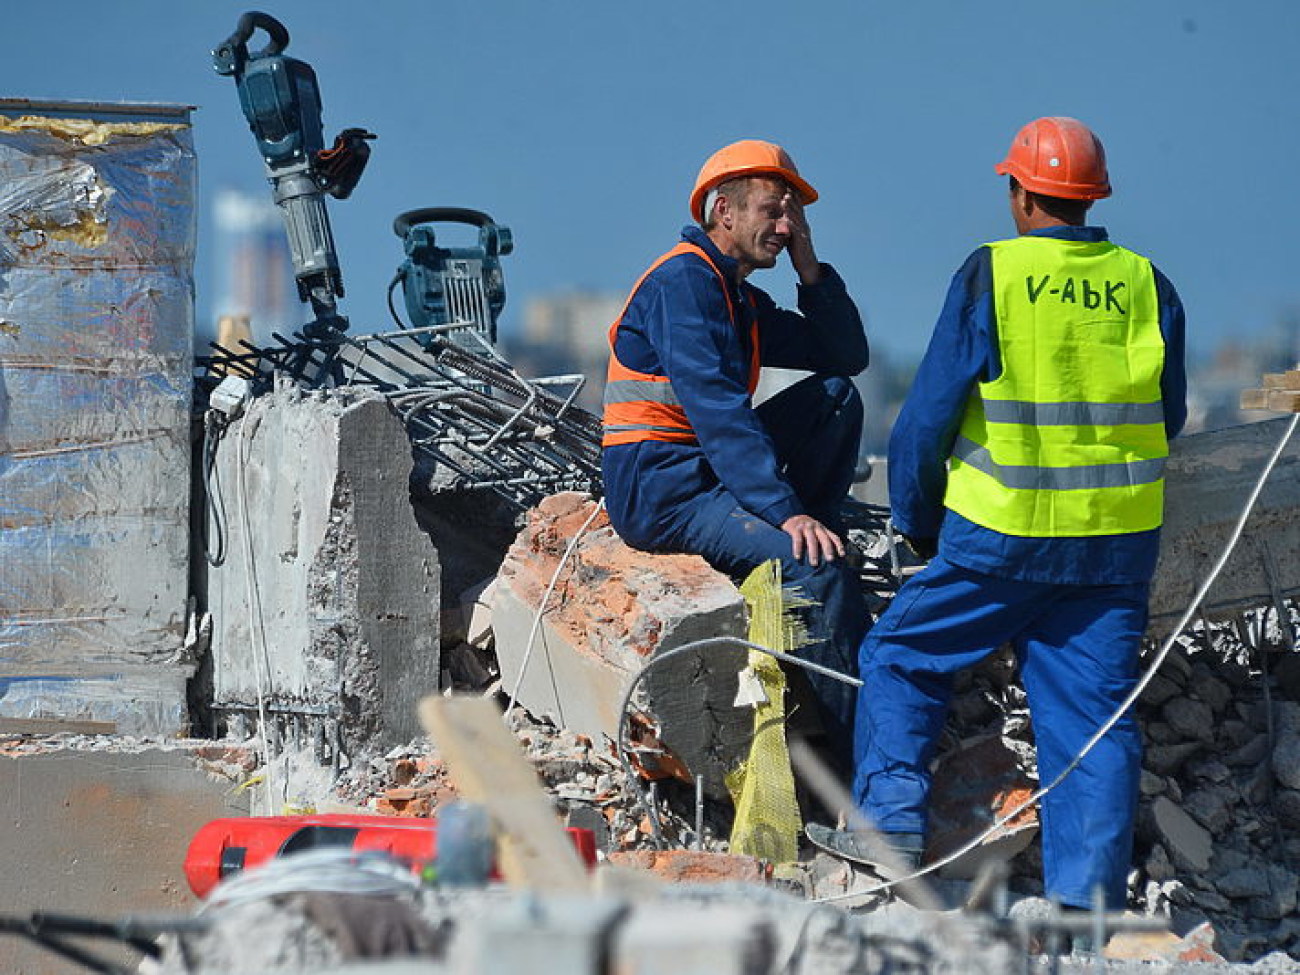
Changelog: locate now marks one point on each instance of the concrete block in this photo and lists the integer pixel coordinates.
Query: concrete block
(1210, 807)
(1286, 717)
(557, 934)
(476, 607)
(1280, 900)
(327, 604)
(672, 939)
(1190, 719)
(1208, 477)
(1249, 881)
(612, 610)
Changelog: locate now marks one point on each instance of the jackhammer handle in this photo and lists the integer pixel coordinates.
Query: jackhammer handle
(276, 32)
(405, 221)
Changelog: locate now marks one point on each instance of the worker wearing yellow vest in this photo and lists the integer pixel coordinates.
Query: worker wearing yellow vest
(690, 463)
(1029, 454)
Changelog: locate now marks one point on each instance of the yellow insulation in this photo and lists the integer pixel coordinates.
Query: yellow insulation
(88, 132)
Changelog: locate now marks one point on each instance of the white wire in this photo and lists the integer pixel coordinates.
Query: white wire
(253, 604)
(1129, 701)
(541, 607)
(336, 870)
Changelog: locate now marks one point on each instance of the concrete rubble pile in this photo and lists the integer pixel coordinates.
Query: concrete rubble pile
(1212, 852)
(686, 929)
(1215, 842)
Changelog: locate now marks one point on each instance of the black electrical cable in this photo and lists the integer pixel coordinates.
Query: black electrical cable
(215, 425)
(23, 928)
(392, 309)
(49, 931)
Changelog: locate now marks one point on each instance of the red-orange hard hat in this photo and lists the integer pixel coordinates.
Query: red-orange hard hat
(1058, 156)
(749, 157)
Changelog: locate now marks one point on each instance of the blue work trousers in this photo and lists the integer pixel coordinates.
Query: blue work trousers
(816, 426)
(1077, 647)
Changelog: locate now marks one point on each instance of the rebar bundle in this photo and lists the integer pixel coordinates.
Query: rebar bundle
(475, 423)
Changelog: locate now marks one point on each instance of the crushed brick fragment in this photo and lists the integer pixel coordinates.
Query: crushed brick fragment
(404, 802)
(404, 771)
(695, 866)
(1165, 946)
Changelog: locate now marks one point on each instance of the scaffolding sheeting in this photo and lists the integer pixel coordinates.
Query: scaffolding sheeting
(97, 233)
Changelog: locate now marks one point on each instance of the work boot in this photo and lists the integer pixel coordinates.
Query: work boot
(885, 853)
(1079, 942)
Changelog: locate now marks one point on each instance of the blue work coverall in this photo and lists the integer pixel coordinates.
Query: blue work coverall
(1074, 609)
(726, 497)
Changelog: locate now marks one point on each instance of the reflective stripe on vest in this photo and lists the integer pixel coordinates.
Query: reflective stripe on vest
(643, 406)
(1069, 440)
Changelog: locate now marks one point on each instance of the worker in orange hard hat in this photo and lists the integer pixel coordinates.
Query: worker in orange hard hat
(1058, 158)
(1027, 465)
(690, 463)
(749, 157)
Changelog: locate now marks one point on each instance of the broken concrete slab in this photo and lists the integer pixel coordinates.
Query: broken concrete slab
(1208, 477)
(1189, 844)
(326, 608)
(724, 940)
(476, 608)
(613, 609)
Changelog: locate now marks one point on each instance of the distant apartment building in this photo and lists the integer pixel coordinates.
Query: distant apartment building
(567, 332)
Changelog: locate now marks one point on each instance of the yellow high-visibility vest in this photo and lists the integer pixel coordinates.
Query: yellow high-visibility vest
(1070, 439)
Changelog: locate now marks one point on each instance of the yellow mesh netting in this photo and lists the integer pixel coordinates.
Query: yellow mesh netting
(767, 821)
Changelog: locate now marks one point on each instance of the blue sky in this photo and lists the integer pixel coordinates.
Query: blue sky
(581, 126)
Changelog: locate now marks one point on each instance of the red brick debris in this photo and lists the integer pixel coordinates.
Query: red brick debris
(696, 866)
(604, 578)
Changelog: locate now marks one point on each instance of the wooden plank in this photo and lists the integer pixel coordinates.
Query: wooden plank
(1275, 398)
(487, 767)
(1254, 399)
(1282, 380)
(1284, 400)
(55, 726)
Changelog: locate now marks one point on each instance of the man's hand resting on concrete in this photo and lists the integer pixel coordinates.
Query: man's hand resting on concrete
(809, 536)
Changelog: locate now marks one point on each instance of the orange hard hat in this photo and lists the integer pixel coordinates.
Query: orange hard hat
(749, 157)
(1058, 156)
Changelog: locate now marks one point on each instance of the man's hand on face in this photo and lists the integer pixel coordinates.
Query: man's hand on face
(811, 538)
(800, 246)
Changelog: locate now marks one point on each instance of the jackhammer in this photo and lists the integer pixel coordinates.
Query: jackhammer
(281, 101)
